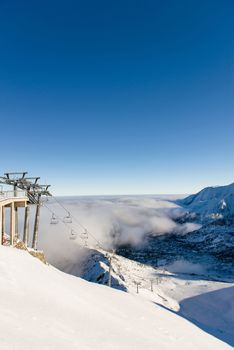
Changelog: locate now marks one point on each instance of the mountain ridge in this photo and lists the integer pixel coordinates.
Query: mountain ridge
(211, 202)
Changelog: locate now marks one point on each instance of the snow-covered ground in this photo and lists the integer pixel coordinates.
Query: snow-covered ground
(185, 270)
(182, 287)
(44, 308)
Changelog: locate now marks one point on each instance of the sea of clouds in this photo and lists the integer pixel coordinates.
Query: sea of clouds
(112, 220)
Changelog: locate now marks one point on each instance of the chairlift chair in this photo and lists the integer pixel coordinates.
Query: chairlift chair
(54, 220)
(84, 235)
(73, 235)
(67, 219)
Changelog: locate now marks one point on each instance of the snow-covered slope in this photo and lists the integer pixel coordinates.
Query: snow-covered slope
(213, 311)
(181, 287)
(43, 308)
(213, 202)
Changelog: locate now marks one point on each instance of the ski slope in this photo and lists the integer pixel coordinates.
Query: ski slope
(182, 287)
(44, 308)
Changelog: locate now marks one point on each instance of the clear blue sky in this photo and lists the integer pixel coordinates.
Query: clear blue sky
(114, 97)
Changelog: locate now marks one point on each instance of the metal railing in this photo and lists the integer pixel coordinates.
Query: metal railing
(12, 194)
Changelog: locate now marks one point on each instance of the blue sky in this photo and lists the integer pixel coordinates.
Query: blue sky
(118, 97)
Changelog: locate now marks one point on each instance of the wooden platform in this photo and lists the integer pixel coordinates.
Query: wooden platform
(13, 201)
(18, 202)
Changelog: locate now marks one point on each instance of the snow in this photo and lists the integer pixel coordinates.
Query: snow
(211, 201)
(174, 286)
(44, 308)
(207, 309)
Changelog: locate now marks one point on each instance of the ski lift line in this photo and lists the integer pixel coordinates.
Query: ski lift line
(73, 234)
(79, 223)
(69, 227)
(67, 219)
(61, 205)
(74, 218)
(56, 216)
(141, 281)
(144, 282)
(54, 220)
(69, 213)
(147, 278)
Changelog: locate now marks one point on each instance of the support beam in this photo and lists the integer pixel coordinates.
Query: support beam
(16, 214)
(36, 224)
(1, 234)
(26, 226)
(110, 270)
(2, 228)
(12, 224)
(16, 223)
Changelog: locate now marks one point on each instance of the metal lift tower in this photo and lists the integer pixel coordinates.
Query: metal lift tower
(34, 192)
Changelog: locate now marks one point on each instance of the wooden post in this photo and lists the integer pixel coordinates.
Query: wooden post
(16, 223)
(16, 214)
(12, 224)
(36, 224)
(2, 228)
(26, 226)
(137, 284)
(1, 234)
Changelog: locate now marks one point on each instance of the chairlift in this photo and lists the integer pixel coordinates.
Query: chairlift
(73, 235)
(54, 220)
(67, 219)
(84, 235)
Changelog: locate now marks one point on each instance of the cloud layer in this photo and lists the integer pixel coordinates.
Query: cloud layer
(112, 220)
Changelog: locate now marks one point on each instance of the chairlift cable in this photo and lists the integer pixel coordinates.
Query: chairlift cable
(69, 227)
(79, 223)
(59, 218)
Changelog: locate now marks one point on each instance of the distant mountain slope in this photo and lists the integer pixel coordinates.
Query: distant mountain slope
(211, 202)
(213, 207)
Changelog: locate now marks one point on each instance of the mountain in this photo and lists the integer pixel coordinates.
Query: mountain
(212, 245)
(211, 202)
(213, 207)
(44, 308)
